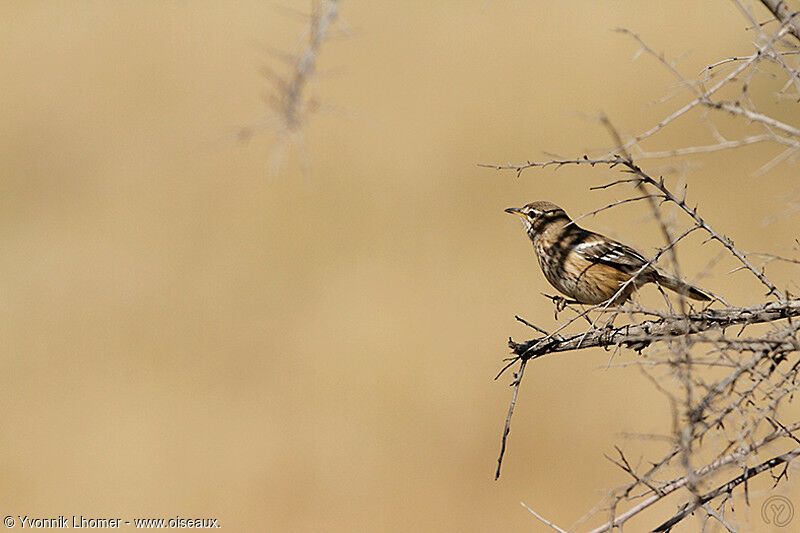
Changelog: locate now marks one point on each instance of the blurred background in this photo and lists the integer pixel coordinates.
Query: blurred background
(188, 332)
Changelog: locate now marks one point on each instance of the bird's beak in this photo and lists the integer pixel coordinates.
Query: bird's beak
(516, 211)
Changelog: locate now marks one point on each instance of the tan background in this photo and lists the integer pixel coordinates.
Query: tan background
(187, 334)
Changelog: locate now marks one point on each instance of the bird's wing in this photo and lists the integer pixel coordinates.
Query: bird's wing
(598, 249)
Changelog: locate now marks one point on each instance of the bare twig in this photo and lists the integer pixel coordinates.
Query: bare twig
(543, 520)
(507, 428)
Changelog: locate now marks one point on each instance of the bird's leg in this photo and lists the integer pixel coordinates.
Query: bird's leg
(560, 303)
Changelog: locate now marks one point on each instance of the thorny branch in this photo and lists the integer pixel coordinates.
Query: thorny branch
(746, 398)
(725, 370)
(780, 10)
(669, 327)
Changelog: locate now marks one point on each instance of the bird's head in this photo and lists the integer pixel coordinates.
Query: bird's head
(537, 215)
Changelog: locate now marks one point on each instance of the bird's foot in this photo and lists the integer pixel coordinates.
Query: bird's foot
(560, 304)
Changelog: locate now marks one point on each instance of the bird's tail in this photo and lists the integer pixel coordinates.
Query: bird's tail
(681, 287)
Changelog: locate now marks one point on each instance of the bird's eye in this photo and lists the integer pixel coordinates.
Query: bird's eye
(533, 213)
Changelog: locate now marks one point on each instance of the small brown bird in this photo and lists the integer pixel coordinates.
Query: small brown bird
(587, 266)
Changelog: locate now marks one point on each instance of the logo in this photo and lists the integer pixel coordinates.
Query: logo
(777, 511)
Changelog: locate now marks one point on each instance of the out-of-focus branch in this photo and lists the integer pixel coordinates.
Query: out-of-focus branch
(736, 109)
(741, 106)
(670, 487)
(291, 99)
(780, 10)
(726, 488)
(290, 106)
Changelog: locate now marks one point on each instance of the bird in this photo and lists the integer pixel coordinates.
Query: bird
(588, 267)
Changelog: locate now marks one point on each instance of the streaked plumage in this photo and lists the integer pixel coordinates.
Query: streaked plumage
(586, 266)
